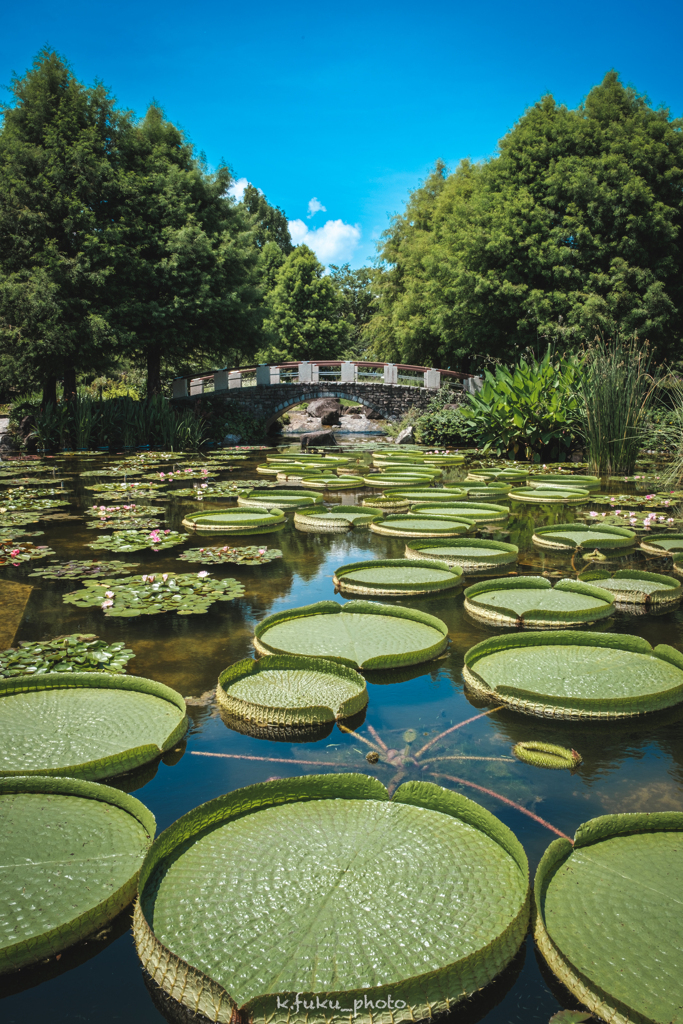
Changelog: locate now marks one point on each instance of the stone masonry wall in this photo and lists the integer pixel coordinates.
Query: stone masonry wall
(391, 401)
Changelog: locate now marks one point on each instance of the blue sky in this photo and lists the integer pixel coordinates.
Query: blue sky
(337, 111)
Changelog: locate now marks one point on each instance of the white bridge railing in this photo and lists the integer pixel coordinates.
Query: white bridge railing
(323, 371)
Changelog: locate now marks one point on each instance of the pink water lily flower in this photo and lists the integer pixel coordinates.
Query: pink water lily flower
(15, 552)
(164, 576)
(107, 604)
(594, 513)
(162, 476)
(109, 593)
(202, 574)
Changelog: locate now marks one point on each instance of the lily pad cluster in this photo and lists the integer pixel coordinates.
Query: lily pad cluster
(77, 652)
(13, 552)
(217, 489)
(150, 594)
(139, 540)
(9, 503)
(75, 569)
(638, 521)
(250, 554)
(17, 493)
(127, 517)
(636, 501)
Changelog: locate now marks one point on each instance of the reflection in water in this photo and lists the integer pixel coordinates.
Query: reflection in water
(634, 764)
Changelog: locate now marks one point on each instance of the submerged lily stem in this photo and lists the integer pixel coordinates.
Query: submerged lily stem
(361, 738)
(504, 799)
(464, 757)
(378, 739)
(430, 743)
(252, 757)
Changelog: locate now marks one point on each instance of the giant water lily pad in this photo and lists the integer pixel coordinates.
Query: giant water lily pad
(510, 475)
(476, 512)
(575, 675)
(77, 652)
(384, 504)
(586, 483)
(569, 536)
(341, 886)
(420, 526)
(532, 601)
(663, 544)
(278, 498)
(337, 519)
(88, 725)
(470, 554)
(624, 875)
(241, 521)
(630, 586)
(246, 555)
(416, 495)
(551, 495)
(384, 482)
(184, 593)
(487, 492)
(362, 634)
(333, 483)
(396, 576)
(288, 692)
(70, 852)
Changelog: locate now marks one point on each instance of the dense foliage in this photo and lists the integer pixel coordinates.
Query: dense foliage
(576, 224)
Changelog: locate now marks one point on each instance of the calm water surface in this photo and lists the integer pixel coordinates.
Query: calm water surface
(628, 766)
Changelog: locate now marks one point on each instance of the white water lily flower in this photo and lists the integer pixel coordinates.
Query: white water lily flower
(202, 574)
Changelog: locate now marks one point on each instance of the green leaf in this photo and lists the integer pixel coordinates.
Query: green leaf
(322, 889)
(362, 634)
(89, 725)
(81, 842)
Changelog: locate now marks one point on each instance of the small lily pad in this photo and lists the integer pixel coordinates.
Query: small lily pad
(139, 540)
(87, 569)
(153, 594)
(247, 555)
(77, 652)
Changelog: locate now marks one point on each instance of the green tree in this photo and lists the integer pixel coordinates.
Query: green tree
(576, 225)
(357, 304)
(186, 275)
(270, 222)
(59, 190)
(303, 312)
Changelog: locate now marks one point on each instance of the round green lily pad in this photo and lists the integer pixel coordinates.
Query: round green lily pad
(663, 544)
(333, 483)
(471, 554)
(396, 576)
(337, 519)
(623, 875)
(420, 526)
(89, 725)
(586, 483)
(280, 497)
(551, 495)
(70, 852)
(342, 887)
(362, 634)
(415, 495)
(569, 536)
(384, 482)
(630, 586)
(387, 504)
(285, 691)
(565, 674)
(241, 521)
(476, 512)
(511, 475)
(492, 492)
(533, 602)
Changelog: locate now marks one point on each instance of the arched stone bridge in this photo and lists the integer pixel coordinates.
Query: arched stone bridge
(268, 392)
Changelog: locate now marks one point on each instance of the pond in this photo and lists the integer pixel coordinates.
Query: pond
(629, 765)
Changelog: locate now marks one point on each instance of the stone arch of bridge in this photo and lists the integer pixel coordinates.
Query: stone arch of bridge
(323, 392)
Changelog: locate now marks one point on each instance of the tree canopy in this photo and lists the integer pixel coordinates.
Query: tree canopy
(575, 225)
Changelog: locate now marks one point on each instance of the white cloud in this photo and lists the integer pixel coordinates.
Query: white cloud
(237, 188)
(334, 241)
(315, 206)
